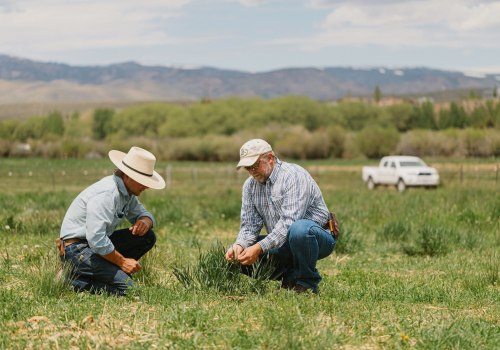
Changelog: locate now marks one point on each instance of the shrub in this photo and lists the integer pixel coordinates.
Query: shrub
(102, 123)
(347, 243)
(432, 241)
(337, 138)
(299, 143)
(396, 231)
(376, 142)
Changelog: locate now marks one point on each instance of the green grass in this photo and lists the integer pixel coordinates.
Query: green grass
(418, 270)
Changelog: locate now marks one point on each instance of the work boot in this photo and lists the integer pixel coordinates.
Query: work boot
(287, 285)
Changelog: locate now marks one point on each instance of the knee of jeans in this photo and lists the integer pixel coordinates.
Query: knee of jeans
(298, 230)
(150, 239)
(122, 283)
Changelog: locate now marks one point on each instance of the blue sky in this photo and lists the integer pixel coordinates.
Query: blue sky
(256, 35)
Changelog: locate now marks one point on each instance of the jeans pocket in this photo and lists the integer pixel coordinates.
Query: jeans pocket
(81, 255)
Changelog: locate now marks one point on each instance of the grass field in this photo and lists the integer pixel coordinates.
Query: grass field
(418, 270)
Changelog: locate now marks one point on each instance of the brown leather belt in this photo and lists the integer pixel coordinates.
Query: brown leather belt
(60, 244)
(71, 241)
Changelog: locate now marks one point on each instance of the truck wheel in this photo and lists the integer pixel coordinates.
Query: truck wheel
(401, 186)
(370, 184)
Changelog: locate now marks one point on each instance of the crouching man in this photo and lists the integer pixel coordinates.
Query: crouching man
(285, 199)
(102, 258)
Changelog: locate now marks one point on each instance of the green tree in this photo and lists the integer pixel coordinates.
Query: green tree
(143, 120)
(53, 124)
(102, 123)
(337, 137)
(376, 142)
(400, 116)
(357, 115)
(31, 128)
(377, 94)
(473, 94)
(454, 117)
(423, 116)
(7, 128)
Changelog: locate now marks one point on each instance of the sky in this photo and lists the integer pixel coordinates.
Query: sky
(256, 35)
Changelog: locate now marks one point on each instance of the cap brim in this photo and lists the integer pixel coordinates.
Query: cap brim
(248, 161)
(155, 181)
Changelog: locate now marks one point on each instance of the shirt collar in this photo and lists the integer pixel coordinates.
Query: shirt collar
(121, 186)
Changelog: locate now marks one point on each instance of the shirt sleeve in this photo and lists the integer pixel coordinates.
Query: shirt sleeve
(100, 215)
(291, 204)
(137, 210)
(251, 222)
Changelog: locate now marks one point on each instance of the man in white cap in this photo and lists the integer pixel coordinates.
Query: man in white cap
(101, 257)
(285, 199)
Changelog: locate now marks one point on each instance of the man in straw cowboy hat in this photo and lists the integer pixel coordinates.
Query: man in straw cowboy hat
(102, 259)
(285, 199)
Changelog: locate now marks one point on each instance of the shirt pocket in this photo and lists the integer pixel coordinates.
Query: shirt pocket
(277, 203)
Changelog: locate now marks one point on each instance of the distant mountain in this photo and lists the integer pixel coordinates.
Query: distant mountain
(27, 81)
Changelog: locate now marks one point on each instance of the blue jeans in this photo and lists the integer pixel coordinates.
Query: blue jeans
(307, 242)
(91, 272)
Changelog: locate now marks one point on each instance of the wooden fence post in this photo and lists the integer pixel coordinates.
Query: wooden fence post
(169, 176)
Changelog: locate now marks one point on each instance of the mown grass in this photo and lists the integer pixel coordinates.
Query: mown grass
(416, 270)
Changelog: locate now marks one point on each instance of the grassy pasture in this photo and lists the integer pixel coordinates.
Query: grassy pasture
(418, 270)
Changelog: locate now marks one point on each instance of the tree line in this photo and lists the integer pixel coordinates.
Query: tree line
(298, 127)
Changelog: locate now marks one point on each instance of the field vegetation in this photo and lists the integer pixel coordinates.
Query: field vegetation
(297, 127)
(418, 270)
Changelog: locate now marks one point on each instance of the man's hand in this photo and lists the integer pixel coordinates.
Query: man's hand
(233, 252)
(141, 226)
(250, 254)
(128, 265)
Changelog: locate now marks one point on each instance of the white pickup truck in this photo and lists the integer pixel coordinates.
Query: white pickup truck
(400, 171)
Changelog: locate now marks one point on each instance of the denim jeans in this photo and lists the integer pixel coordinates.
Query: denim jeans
(91, 272)
(307, 242)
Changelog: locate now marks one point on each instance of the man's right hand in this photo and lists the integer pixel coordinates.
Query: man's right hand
(130, 266)
(233, 252)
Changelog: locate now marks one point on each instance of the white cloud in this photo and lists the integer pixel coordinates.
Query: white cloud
(57, 25)
(422, 23)
(252, 2)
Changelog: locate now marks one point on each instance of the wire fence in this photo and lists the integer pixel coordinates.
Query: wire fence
(22, 177)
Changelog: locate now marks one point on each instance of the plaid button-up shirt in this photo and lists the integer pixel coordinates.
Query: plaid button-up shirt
(289, 194)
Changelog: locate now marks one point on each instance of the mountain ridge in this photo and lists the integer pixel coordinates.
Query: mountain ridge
(25, 80)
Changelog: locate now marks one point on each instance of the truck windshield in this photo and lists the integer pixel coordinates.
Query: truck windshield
(412, 163)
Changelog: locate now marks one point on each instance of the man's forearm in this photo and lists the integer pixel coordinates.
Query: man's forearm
(128, 265)
(115, 258)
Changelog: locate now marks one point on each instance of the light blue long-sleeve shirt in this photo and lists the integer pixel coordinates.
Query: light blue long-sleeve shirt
(289, 194)
(96, 212)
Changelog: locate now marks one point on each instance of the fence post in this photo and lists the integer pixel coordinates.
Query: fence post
(194, 174)
(461, 173)
(496, 175)
(169, 176)
(53, 179)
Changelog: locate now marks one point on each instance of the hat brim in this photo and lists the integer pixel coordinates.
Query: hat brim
(247, 161)
(155, 181)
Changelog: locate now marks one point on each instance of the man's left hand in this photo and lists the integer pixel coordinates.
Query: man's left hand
(250, 254)
(141, 226)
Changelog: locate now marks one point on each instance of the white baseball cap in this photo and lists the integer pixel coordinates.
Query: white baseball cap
(251, 150)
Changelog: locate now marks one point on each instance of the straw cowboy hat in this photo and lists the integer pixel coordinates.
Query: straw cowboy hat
(139, 165)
